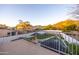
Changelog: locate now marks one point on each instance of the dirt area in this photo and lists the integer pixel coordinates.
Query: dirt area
(22, 47)
(74, 34)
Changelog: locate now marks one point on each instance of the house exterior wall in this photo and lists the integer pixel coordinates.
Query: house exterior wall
(4, 32)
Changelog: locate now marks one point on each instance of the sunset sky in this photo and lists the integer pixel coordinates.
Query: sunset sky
(36, 14)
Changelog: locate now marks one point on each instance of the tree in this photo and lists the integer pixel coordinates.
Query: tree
(48, 27)
(23, 26)
(71, 27)
(75, 12)
(3, 26)
(77, 28)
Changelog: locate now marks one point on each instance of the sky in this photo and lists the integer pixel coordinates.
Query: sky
(36, 14)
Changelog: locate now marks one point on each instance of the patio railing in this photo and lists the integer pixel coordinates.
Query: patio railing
(62, 43)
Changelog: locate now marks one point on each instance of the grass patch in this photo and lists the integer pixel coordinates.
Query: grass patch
(43, 36)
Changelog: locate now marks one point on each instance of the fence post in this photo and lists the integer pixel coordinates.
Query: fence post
(76, 44)
(59, 42)
(72, 46)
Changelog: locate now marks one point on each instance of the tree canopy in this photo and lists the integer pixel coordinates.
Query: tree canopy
(23, 25)
(67, 25)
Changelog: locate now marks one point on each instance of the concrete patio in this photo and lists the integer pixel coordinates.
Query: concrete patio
(22, 47)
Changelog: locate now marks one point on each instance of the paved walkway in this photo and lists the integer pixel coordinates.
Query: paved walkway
(22, 47)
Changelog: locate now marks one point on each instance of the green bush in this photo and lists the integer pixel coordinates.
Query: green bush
(68, 28)
(72, 49)
(43, 36)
